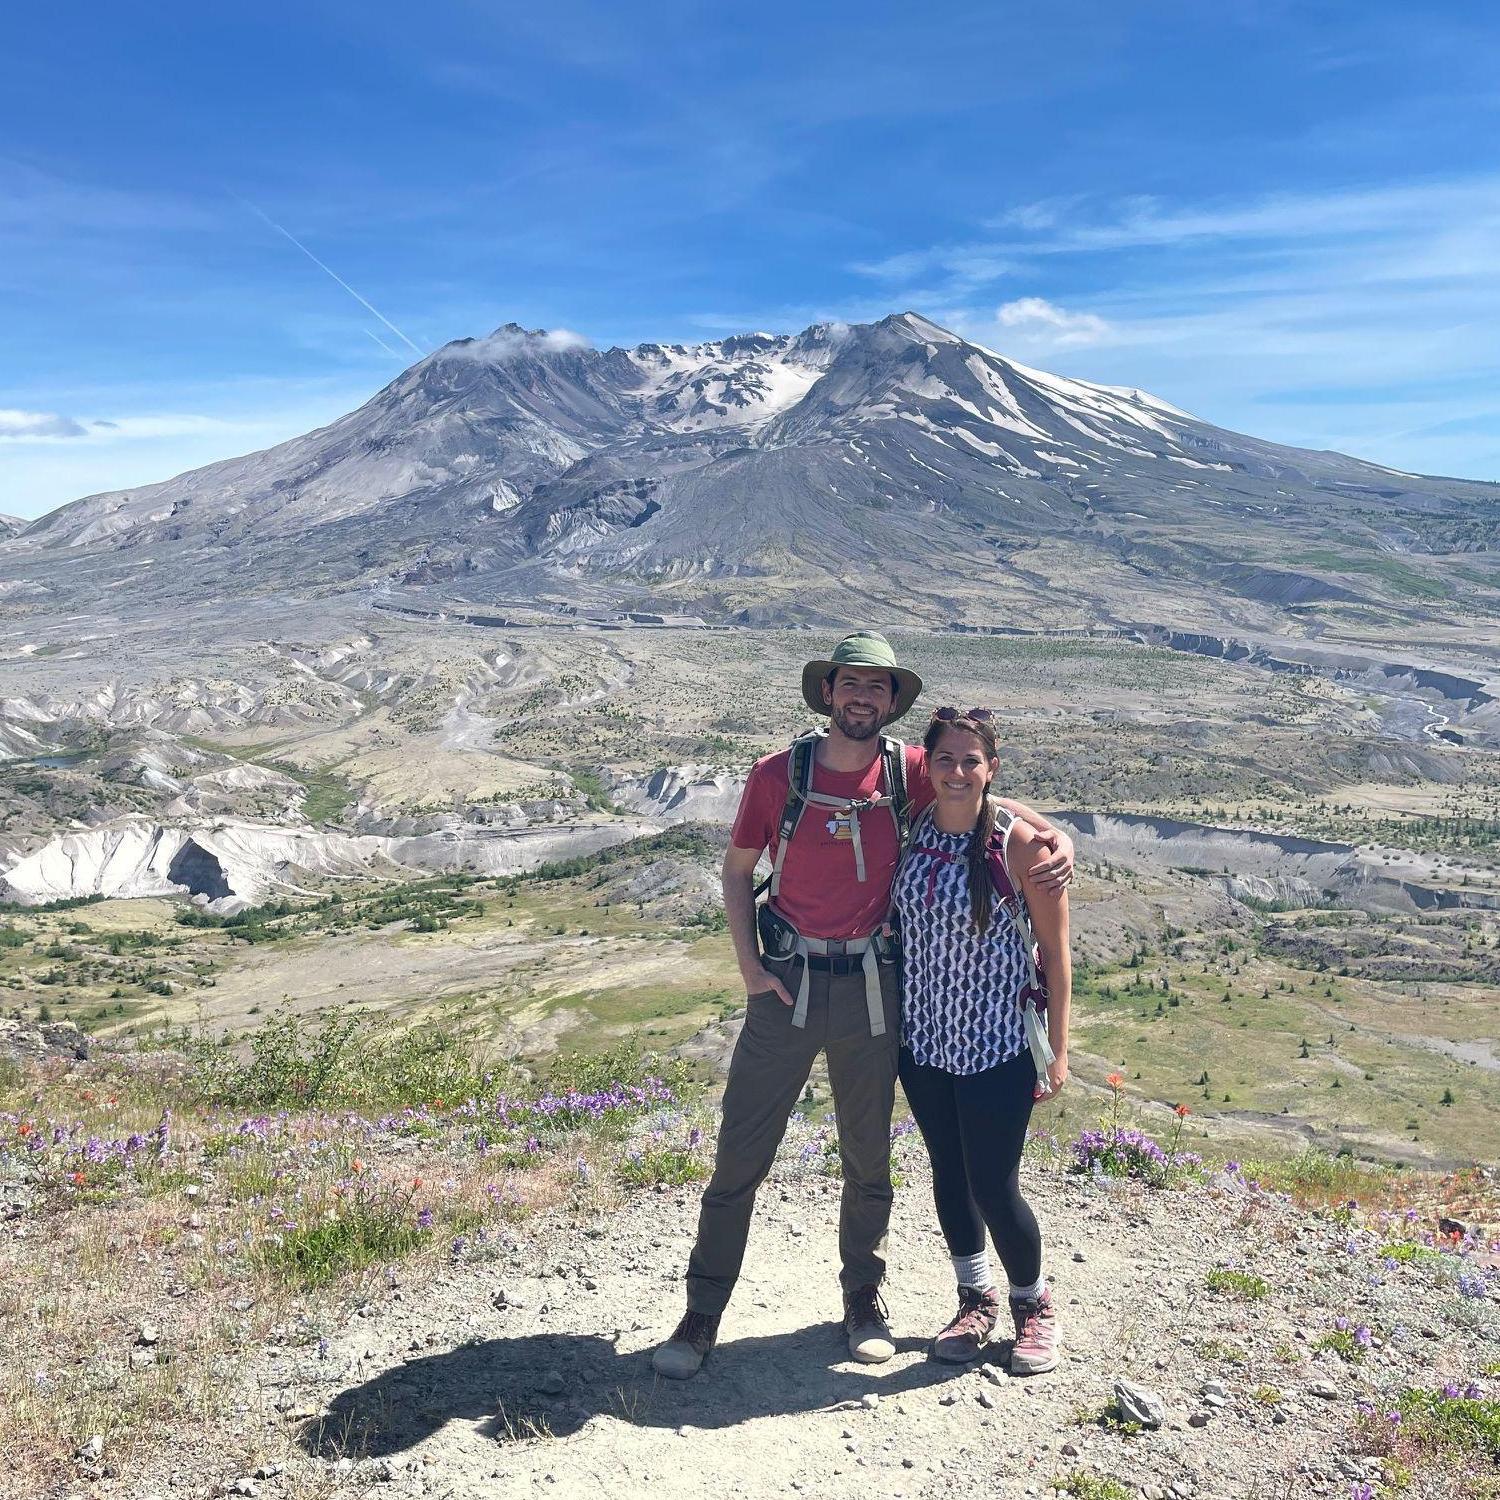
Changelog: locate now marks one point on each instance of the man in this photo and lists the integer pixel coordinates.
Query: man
(823, 978)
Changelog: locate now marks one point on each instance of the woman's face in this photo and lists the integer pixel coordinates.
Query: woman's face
(959, 768)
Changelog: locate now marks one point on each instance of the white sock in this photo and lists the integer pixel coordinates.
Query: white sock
(973, 1270)
(1028, 1293)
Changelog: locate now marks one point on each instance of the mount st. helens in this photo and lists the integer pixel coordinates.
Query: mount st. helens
(915, 472)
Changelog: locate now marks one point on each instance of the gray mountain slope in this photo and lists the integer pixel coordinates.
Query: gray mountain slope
(893, 461)
(10, 525)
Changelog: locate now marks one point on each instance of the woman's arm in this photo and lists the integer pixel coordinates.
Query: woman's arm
(1048, 905)
(1055, 868)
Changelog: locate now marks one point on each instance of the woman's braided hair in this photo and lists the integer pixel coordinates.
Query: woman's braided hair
(981, 887)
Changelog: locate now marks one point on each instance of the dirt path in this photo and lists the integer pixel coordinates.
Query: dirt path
(529, 1373)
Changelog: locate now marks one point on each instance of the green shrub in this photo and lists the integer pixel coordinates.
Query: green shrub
(358, 1231)
(626, 1062)
(1455, 1425)
(1084, 1486)
(349, 1062)
(660, 1163)
(1240, 1285)
(1407, 1251)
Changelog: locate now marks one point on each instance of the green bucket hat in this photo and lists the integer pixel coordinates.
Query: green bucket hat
(865, 648)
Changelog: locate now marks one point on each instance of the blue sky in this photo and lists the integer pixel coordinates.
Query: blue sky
(1284, 217)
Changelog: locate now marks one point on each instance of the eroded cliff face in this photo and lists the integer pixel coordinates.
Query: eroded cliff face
(230, 865)
(1277, 869)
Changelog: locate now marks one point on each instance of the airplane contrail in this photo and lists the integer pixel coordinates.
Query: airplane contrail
(363, 302)
(394, 353)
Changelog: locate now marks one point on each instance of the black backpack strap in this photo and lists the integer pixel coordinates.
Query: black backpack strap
(798, 784)
(893, 754)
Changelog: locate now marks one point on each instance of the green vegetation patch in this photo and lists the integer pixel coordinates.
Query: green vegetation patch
(658, 1163)
(1241, 1286)
(1453, 1433)
(686, 840)
(336, 1061)
(1084, 1486)
(1399, 577)
(362, 1228)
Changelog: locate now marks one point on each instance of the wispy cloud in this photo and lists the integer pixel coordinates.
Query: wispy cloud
(1275, 314)
(20, 425)
(1064, 329)
(34, 203)
(1411, 207)
(53, 427)
(511, 343)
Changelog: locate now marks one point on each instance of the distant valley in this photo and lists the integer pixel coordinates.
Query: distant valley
(443, 710)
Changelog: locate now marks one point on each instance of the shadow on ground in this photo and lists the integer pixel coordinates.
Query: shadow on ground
(553, 1383)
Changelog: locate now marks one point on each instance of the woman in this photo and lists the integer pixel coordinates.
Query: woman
(973, 1061)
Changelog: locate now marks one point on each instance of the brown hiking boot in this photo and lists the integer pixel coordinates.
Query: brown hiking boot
(865, 1324)
(682, 1356)
(1035, 1350)
(971, 1327)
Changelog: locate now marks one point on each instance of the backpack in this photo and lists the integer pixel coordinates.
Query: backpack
(799, 795)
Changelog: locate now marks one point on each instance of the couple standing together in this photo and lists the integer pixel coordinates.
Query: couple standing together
(911, 918)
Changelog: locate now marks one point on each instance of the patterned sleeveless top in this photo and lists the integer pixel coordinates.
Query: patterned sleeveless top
(961, 994)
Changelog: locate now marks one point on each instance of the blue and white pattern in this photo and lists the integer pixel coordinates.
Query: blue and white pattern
(961, 994)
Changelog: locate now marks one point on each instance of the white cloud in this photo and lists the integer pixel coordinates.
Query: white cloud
(511, 342)
(38, 474)
(52, 427)
(1045, 322)
(1318, 319)
(1420, 208)
(19, 425)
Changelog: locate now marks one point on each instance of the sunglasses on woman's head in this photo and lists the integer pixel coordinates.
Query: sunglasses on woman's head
(948, 715)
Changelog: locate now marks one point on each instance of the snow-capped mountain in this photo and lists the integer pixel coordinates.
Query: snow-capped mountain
(894, 459)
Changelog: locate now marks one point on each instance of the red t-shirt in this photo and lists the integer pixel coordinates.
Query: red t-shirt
(819, 893)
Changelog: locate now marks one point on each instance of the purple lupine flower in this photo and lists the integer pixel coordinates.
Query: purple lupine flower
(424, 1219)
(1472, 1285)
(1363, 1338)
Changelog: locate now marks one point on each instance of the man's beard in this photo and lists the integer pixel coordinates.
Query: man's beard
(856, 729)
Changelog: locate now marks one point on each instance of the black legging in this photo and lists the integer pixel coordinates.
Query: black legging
(975, 1129)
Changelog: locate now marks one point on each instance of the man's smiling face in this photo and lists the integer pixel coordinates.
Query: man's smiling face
(859, 701)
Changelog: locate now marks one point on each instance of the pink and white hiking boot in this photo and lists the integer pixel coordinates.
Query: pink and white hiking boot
(971, 1326)
(1035, 1350)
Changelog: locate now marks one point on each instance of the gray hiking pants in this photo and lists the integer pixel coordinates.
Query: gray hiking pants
(771, 1062)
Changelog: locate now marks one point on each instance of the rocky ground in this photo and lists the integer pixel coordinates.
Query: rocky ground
(523, 1368)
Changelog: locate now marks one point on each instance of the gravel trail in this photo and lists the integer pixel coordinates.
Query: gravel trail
(528, 1373)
